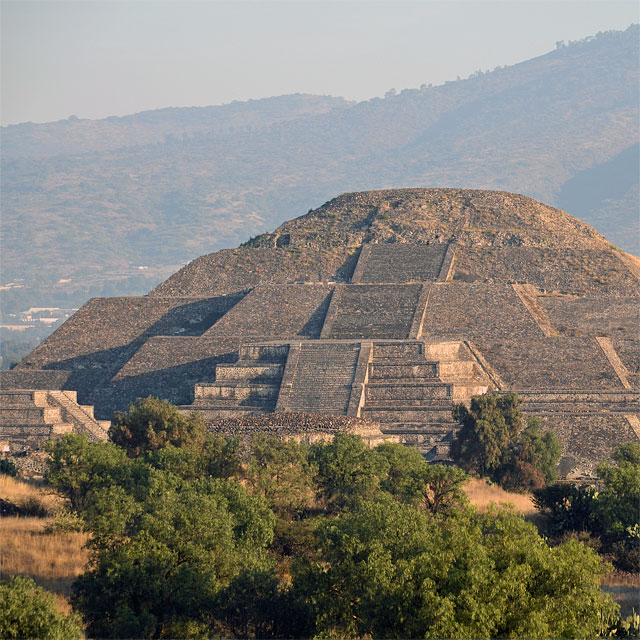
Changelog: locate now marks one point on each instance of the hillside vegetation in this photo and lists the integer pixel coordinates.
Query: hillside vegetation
(156, 189)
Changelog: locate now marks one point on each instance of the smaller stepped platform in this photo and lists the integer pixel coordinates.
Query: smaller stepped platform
(29, 417)
(319, 377)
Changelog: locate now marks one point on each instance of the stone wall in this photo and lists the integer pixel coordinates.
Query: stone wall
(398, 262)
(615, 317)
(243, 268)
(471, 311)
(372, 311)
(277, 311)
(550, 363)
(105, 325)
(563, 270)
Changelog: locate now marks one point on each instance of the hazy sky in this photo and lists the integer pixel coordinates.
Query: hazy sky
(99, 58)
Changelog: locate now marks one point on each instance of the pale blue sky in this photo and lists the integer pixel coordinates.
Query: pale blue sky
(99, 58)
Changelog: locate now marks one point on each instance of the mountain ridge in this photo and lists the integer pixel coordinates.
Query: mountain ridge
(530, 128)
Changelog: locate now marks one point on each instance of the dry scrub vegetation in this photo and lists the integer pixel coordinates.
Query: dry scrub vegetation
(481, 495)
(53, 560)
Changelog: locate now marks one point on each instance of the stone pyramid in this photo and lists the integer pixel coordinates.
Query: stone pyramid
(388, 305)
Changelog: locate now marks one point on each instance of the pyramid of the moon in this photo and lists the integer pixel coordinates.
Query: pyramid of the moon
(387, 305)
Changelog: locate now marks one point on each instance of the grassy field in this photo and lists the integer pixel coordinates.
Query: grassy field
(481, 495)
(53, 560)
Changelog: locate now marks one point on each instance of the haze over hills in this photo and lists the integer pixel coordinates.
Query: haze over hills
(91, 201)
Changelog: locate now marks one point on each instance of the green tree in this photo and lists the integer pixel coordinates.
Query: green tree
(278, 471)
(488, 426)
(255, 605)
(347, 470)
(152, 423)
(28, 611)
(530, 461)
(217, 457)
(76, 467)
(493, 442)
(443, 489)
(388, 570)
(161, 554)
(405, 471)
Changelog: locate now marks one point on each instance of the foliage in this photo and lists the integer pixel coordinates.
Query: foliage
(28, 611)
(216, 457)
(494, 442)
(161, 554)
(65, 522)
(255, 605)
(530, 461)
(151, 424)
(76, 467)
(347, 470)
(612, 514)
(388, 570)
(8, 468)
(332, 540)
(488, 427)
(405, 471)
(279, 471)
(442, 491)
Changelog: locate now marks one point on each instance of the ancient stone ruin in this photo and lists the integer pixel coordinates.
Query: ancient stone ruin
(388, 306)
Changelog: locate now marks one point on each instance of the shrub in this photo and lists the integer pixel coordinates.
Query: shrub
(8, 468)
(28, 611)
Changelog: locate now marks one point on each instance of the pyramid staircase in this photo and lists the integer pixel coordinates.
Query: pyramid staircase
(408, 386)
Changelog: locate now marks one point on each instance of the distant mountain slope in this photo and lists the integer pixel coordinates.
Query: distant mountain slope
(163, 187)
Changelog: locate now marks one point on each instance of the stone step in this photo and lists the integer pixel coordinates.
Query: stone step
(408, 403)
(249, 371)
(441, 430)
(62, 428)
(18, 397)
(30, 415)
(378, 392)
(452, 370)
(238, 391)
(398, 262)
(263, 353)
(395, 350)
(411, 370)
(426, 415)
(443, 351)
(215, 413)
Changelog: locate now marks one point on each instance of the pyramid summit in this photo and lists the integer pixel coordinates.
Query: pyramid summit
(384, 305)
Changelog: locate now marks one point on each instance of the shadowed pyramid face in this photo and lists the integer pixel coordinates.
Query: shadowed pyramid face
(389, 305)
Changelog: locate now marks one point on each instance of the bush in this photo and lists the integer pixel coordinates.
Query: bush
(28, 611)
(65, 522)
(8, 468)
(152, 424)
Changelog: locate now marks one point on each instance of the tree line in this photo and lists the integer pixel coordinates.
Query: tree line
(198, 535)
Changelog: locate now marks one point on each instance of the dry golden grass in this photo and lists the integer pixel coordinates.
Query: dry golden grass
(481, 495)
(624, 589)
(29, 492)
(53, 560)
